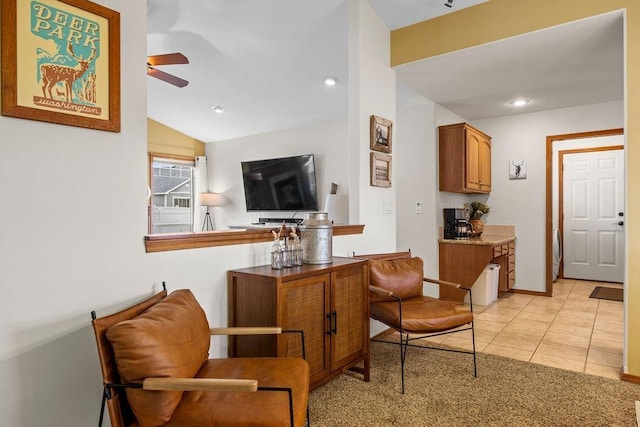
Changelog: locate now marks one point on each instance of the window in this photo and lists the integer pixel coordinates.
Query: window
(172, 195)
(182, 202)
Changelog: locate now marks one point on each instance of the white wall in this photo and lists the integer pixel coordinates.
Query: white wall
(326, 140)
(522, 202)
(61, 257)
(372, 91)
(417, 178)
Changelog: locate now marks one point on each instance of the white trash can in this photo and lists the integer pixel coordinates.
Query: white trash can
(485, 288)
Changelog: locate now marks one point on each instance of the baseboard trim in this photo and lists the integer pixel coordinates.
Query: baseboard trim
(524, 291)
(382, 334)
(630, 378)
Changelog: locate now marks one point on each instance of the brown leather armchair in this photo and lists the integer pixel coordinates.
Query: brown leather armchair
(156, 371)
(395, 289)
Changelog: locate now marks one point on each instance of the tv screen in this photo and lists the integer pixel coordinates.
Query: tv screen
(283, 184)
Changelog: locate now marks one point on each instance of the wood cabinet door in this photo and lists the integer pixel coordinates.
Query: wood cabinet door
(304, 306)
(484, 164)
(472, 166)
(350, 315)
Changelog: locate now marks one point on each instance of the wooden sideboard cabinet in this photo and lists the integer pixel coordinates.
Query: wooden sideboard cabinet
(329, 302)
(464, 261)
(464, 159)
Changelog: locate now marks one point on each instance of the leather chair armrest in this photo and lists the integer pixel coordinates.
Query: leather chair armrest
(246, 330)
(258, 330)
(442, 282)
(199, 384)
(381, 291)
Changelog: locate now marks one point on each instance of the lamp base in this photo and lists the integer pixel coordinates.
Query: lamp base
(207, 223)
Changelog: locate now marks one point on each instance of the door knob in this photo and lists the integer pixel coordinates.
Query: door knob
(619, 223)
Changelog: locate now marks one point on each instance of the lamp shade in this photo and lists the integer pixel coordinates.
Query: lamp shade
(209, 199)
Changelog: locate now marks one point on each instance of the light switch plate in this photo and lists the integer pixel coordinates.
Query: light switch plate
(418, 207)
(387, 207)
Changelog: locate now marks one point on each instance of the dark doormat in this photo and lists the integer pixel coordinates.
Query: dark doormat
(611, 294)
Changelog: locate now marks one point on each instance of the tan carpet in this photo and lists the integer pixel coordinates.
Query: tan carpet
(441, 391)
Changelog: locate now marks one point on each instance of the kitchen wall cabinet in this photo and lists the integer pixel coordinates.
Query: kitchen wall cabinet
(329, 302)
(464, 159)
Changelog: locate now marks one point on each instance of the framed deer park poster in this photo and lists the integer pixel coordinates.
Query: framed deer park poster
(61, 62)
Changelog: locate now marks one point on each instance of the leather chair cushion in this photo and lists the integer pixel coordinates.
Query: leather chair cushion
(170, 339)
(262, 408)
(422, 314)
(403, 277)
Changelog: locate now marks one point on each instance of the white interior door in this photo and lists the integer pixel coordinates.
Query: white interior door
(593, 217)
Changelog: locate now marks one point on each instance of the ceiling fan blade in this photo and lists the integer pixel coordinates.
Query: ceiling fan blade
(167, 59)
(169, 78)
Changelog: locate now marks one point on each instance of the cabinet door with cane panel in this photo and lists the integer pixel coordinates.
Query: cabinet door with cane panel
(329, 303)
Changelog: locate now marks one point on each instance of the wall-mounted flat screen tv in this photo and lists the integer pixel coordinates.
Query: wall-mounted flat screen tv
(283, 184)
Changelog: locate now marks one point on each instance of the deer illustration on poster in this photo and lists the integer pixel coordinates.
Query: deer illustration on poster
(52, 74)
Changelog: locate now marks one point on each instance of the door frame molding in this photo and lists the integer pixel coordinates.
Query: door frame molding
(549, 202)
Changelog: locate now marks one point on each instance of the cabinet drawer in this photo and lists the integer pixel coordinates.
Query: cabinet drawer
(505, 249)
(512, 248)
(511, 279)
(511, 263)
(497, 251)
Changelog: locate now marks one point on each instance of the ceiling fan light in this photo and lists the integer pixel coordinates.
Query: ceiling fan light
(520, 102)
(218, 109)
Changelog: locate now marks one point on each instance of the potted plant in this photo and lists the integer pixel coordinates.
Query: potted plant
(476, 211)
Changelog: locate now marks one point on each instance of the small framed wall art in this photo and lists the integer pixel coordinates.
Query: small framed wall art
(517, 169)
(61, 62)
(381, 134)
(380, 170)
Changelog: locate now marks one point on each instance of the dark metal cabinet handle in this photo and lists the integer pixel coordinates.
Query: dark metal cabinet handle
(335, 322)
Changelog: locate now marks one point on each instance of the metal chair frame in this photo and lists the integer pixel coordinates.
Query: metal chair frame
(405, 339)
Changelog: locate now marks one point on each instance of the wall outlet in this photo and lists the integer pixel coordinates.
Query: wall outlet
(418, 207)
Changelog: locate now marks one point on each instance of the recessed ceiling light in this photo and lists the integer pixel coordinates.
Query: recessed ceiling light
(218, 109)
(330, 81)
(520, 102)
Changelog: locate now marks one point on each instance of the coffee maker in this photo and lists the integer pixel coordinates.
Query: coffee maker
(456, 224)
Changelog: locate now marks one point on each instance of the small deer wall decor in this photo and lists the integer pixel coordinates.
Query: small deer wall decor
(517, 169)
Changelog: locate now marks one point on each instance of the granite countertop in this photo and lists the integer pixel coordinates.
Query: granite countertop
(493, 235)
(484, 239)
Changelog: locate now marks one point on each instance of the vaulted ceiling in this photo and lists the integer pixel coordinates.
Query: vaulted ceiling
(264, 61)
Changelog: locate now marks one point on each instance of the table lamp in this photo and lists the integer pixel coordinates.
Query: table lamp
(208, 199)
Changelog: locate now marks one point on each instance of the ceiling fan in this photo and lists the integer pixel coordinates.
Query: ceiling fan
(166, 59)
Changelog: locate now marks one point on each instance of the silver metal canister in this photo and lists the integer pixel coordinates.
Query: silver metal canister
(316, 234)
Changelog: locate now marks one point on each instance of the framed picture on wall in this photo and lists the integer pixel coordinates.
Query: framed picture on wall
(381, 134)
(380, 170)
(61, 62)
(517, 169)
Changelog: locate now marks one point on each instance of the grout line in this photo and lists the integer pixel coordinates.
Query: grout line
(564, 301)
(571, 285)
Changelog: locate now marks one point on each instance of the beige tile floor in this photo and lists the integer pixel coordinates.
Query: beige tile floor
(569, 330)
